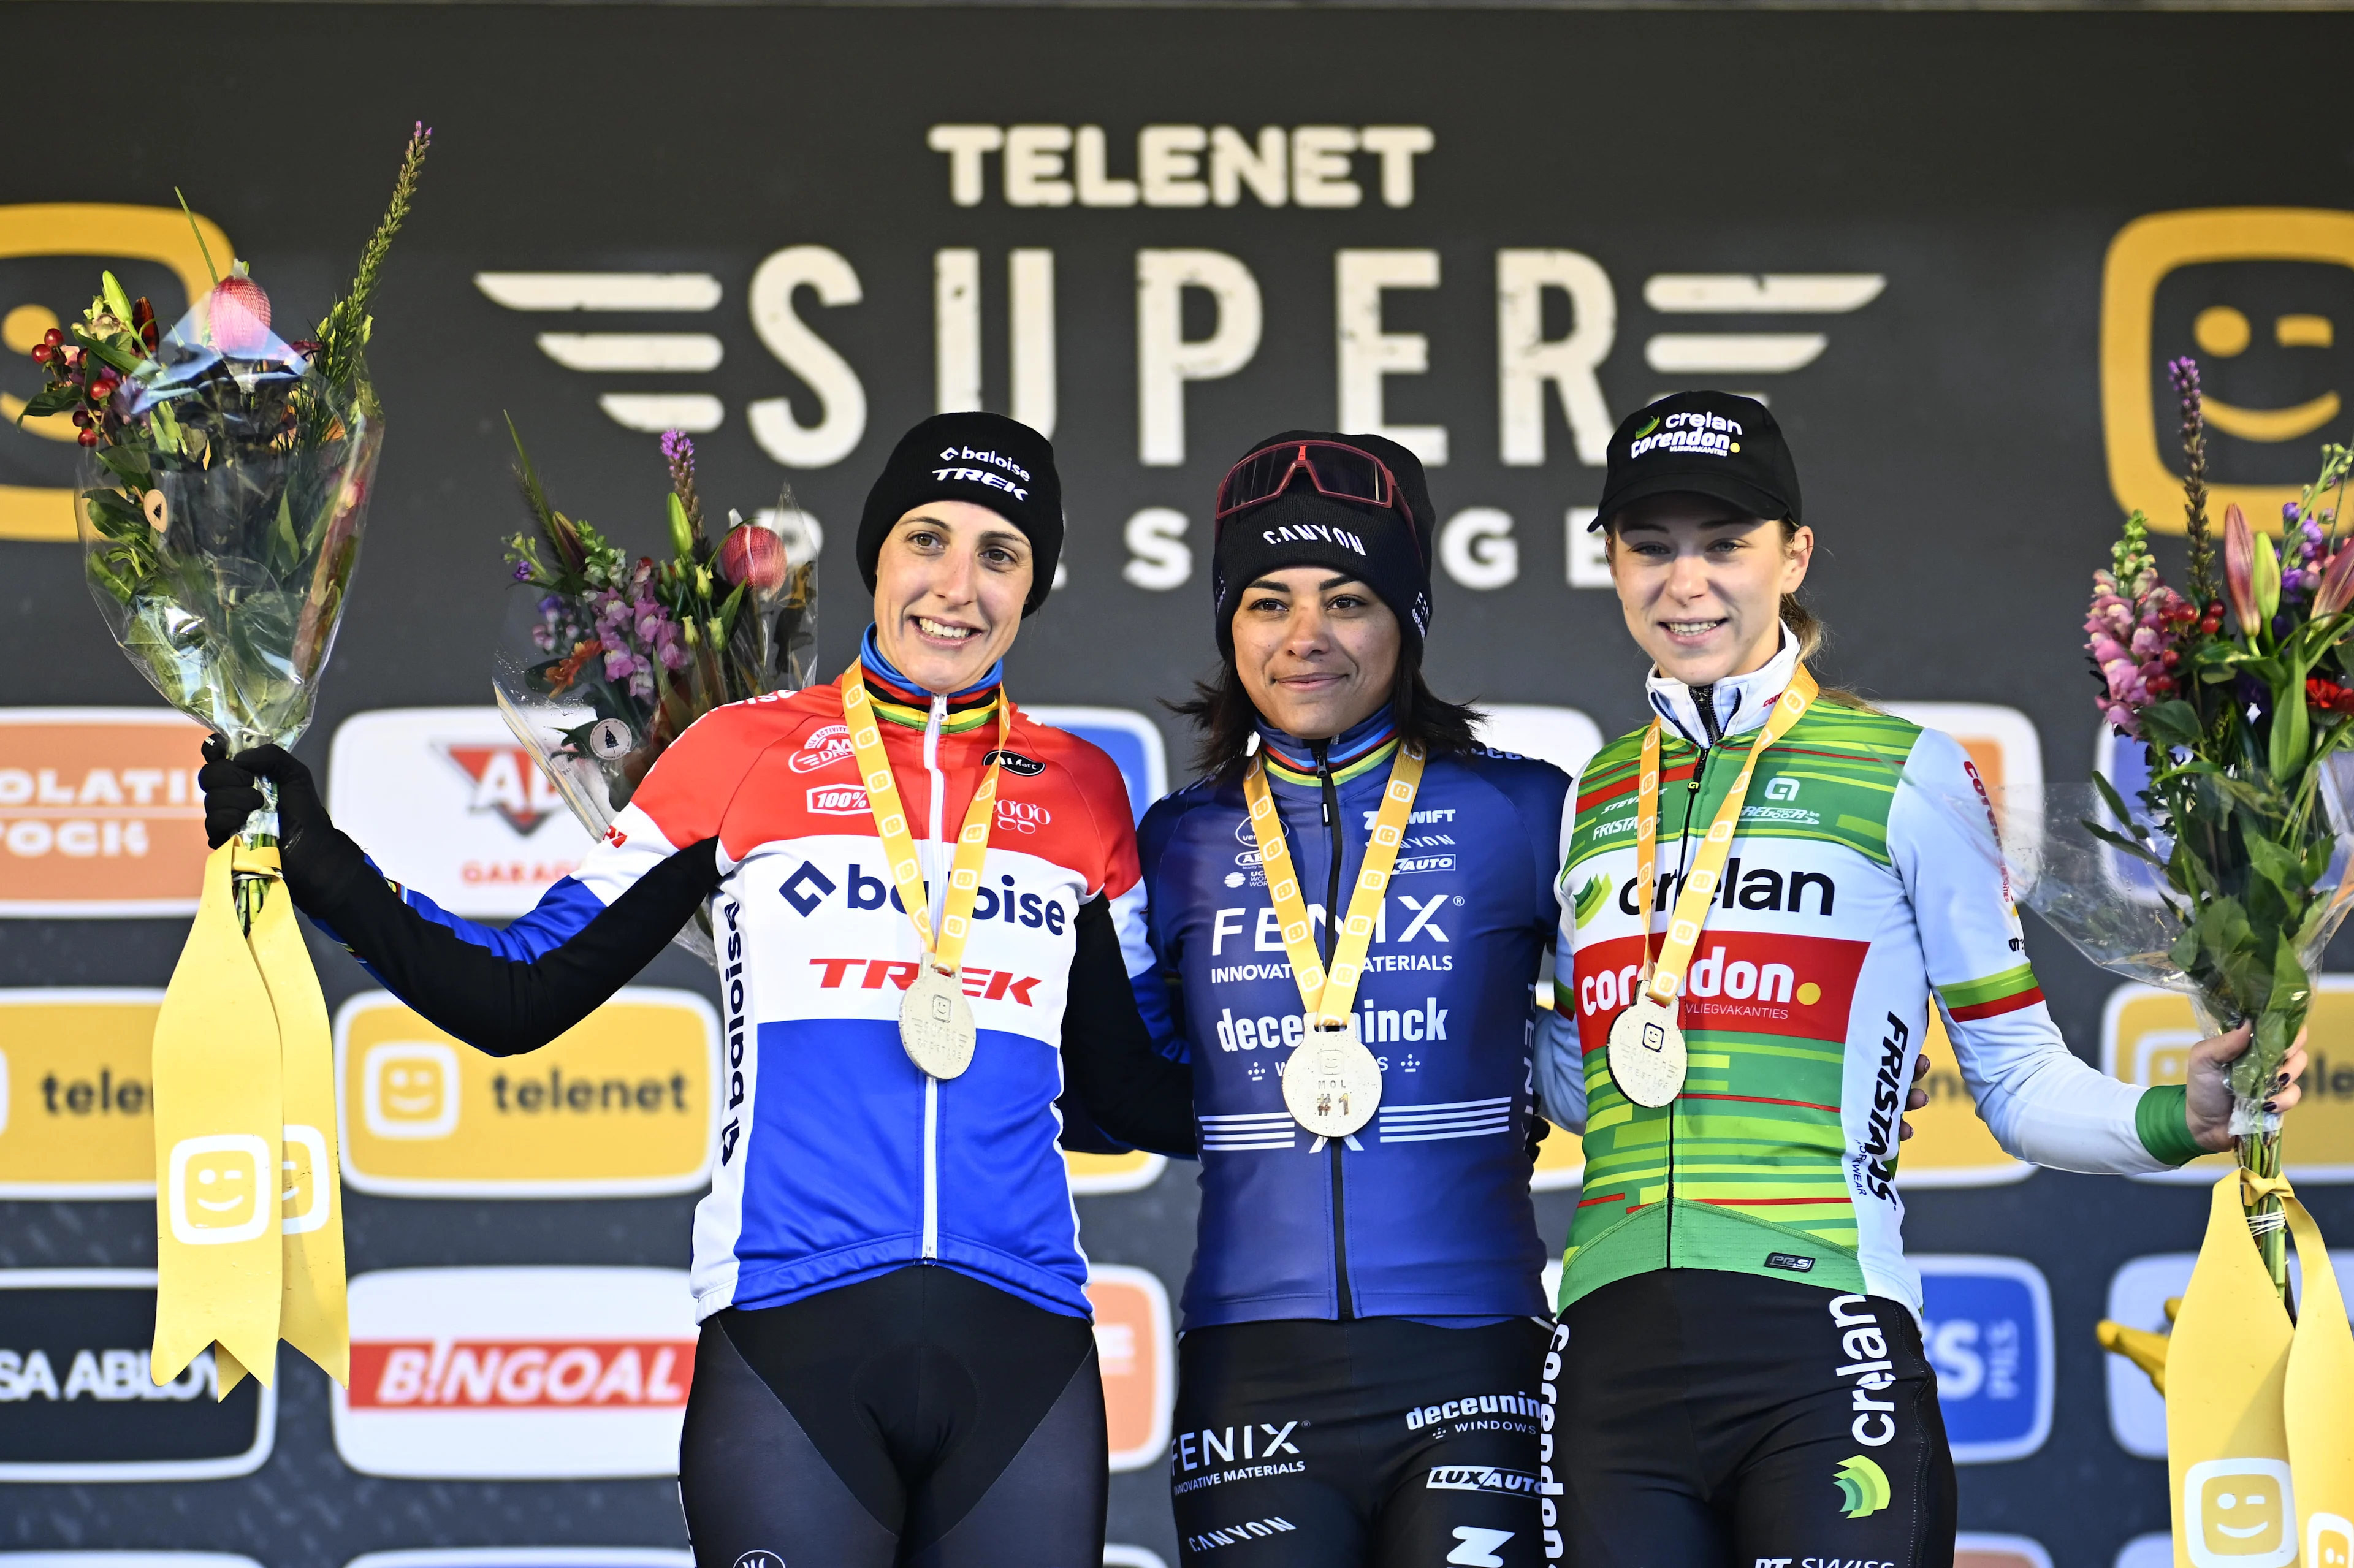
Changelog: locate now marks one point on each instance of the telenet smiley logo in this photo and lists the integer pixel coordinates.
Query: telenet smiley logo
(2256, 294)
(96, 235)
(216, 1189)
(409, 1088)
(2329, 1542)
(2239, 1515)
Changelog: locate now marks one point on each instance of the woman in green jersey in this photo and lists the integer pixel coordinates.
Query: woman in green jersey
(1737, 1365)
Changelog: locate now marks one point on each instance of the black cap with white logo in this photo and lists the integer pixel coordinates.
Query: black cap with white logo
(986, 459)
(1717, 444)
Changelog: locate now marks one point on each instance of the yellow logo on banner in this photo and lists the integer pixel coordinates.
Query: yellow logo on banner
(2146, 1038)
(1093, 1175)
(621, 1104)
(77, 1113)
(105, 235)
(2299, 404)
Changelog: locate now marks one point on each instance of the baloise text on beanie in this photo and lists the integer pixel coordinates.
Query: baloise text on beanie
(1303, 526)
(985, 459)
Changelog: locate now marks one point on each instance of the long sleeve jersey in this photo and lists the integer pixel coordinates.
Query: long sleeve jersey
(1862, 885)
(1426, 1212)
(838, 1159)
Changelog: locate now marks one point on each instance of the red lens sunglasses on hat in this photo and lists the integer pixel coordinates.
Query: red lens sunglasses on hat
(1343, 473)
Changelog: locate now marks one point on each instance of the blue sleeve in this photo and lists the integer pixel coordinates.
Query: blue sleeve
(561, 913)
(1150, 965)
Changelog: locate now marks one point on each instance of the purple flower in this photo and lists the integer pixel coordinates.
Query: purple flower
(619, 663)
(673, 656)
(522, 572)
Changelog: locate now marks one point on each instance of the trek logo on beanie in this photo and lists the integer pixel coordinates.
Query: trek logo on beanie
(1300, 526)
(985, 459)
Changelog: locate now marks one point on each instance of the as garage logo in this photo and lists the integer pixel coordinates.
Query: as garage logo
(516, 1374)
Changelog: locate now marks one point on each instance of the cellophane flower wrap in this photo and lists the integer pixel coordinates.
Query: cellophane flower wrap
(606, 660)
(225, 487)
(2223, 877)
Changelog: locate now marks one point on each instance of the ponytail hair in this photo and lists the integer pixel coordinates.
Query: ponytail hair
(1812, 634)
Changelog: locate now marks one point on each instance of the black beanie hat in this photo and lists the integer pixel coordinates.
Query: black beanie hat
(986, 459)
(1303, 527)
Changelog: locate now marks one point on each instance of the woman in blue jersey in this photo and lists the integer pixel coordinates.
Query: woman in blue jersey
(895, 1365)
(1362, 1324)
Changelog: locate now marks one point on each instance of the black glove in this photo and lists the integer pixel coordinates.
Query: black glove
(312, 852)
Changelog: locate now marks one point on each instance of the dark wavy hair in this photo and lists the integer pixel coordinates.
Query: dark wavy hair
(1225, 718)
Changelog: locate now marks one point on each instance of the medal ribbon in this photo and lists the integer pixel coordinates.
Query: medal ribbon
(1329, 998)
(1664, 979)
(249, 1223)
(946, 950)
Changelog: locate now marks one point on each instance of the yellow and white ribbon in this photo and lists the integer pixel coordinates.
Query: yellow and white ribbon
(248, 1215)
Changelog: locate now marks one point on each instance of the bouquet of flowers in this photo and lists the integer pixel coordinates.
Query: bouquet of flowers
(607, 660)
(225, 485)
(2239, 692)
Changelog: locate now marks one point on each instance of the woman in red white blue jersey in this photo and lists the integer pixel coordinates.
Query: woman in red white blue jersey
(896, 1363)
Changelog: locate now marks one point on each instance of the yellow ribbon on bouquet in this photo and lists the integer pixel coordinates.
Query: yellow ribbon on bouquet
(248, 1215)
(2259, 1411)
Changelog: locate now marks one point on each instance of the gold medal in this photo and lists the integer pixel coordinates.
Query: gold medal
(1646, 1045)
(1646, 1052)
(936, 1024)
(1331, 1084)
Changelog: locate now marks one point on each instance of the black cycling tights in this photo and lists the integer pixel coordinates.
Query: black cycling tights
(1374, 1443)
(1706, 1419)
(917, 1420)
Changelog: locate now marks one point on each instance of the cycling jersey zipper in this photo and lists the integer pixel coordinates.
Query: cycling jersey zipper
(936, 886)
(1332, 803)
(1704, 703)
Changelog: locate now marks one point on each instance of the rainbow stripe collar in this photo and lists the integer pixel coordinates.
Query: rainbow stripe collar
(902, 702)
(1354, 752)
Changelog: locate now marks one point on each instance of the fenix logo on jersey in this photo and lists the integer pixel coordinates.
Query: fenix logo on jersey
(1213, 1455)
(808, 888)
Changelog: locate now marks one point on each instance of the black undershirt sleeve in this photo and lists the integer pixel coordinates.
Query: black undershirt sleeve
(497, 1005)
(1126, 1086)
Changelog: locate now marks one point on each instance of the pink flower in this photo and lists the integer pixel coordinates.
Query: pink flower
(2239, 568)
(2336, 583)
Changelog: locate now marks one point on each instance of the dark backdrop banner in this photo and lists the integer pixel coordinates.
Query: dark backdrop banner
(1953, 251)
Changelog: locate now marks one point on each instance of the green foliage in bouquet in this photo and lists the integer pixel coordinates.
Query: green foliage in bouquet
(2241, 722)
(226, 483)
